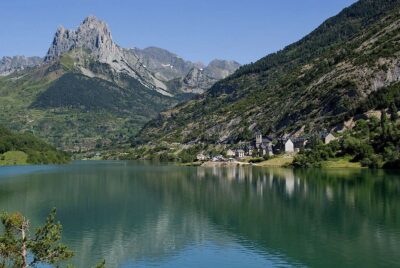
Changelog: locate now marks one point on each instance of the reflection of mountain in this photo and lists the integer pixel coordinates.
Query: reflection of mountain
(110, 213)
(128, 213)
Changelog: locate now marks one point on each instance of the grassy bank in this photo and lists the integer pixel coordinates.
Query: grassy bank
(340, 163)
(279, 161)
(12, 158)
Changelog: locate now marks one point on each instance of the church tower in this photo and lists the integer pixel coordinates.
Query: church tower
(259, 138)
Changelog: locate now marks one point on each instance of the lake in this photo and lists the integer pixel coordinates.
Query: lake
(149, 215)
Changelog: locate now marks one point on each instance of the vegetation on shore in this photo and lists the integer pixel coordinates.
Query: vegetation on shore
(372, 143)
(24, 148)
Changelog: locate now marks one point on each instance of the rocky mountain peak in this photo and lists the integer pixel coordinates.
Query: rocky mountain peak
(94, 37)
(220, 69)
(92, 34)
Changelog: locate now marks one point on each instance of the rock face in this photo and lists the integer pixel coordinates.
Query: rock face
(168, 66)
(92, 34)
(94, 37)
(197, 81)
(8, 65)
(220, 69)
(164, 64)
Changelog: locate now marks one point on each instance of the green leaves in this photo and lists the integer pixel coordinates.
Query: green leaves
(45, 246)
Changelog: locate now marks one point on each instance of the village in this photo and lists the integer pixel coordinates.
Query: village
(265, 147)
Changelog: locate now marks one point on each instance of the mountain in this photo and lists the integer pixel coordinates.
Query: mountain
(195, 82)
(318, 82)
(164, 64)
(184, 76)
(89, 94)
(94, 36)
(8, 65)
(220, 69)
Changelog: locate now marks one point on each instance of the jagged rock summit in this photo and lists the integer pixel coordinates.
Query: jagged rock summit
(94, 36)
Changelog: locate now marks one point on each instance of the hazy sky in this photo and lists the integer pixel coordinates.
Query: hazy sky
(242, 30)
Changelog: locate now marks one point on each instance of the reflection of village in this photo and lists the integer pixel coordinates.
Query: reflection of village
(266, 147)
(284, 179)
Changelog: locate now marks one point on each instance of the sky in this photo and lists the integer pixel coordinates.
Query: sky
(201, 30)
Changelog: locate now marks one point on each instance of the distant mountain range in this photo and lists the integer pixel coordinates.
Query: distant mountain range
(8, 65)
(316, 83)
(89, 93)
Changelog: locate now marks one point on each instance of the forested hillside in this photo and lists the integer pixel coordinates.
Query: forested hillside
(317, 82)
(25, 148)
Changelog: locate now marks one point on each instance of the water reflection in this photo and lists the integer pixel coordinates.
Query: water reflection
(134, 214)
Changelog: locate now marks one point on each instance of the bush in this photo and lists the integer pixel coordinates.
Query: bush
(256, 160)
(395, 164)
(372, 161)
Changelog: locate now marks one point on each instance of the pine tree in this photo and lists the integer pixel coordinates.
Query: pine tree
(44, 247)
(393, 112)
(384, 125)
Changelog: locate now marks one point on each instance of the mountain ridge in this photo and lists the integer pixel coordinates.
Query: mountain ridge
(314, 83)
(8, 64)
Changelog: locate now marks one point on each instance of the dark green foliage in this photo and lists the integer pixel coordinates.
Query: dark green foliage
(257, 159)
(167, 157)
(395, 164)
(44, 246)
(393, 112)
(373, 143)
(78, 91)
(314, 156)
(38, 151)
(189, 155)
(383, 98)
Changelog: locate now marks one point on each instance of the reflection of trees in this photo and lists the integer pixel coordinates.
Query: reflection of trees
(128, 212)
(108, 211)
(335, 215)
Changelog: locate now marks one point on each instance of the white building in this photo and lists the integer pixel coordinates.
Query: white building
(240, 153)
(201, 157)
(289, 146)
(230, 153)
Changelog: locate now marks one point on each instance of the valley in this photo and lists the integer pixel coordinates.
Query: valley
(89, 95)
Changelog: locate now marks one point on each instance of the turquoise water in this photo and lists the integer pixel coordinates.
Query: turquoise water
(147, 215)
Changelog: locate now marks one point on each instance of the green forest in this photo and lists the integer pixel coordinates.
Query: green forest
(25, 148)
(373, 142)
